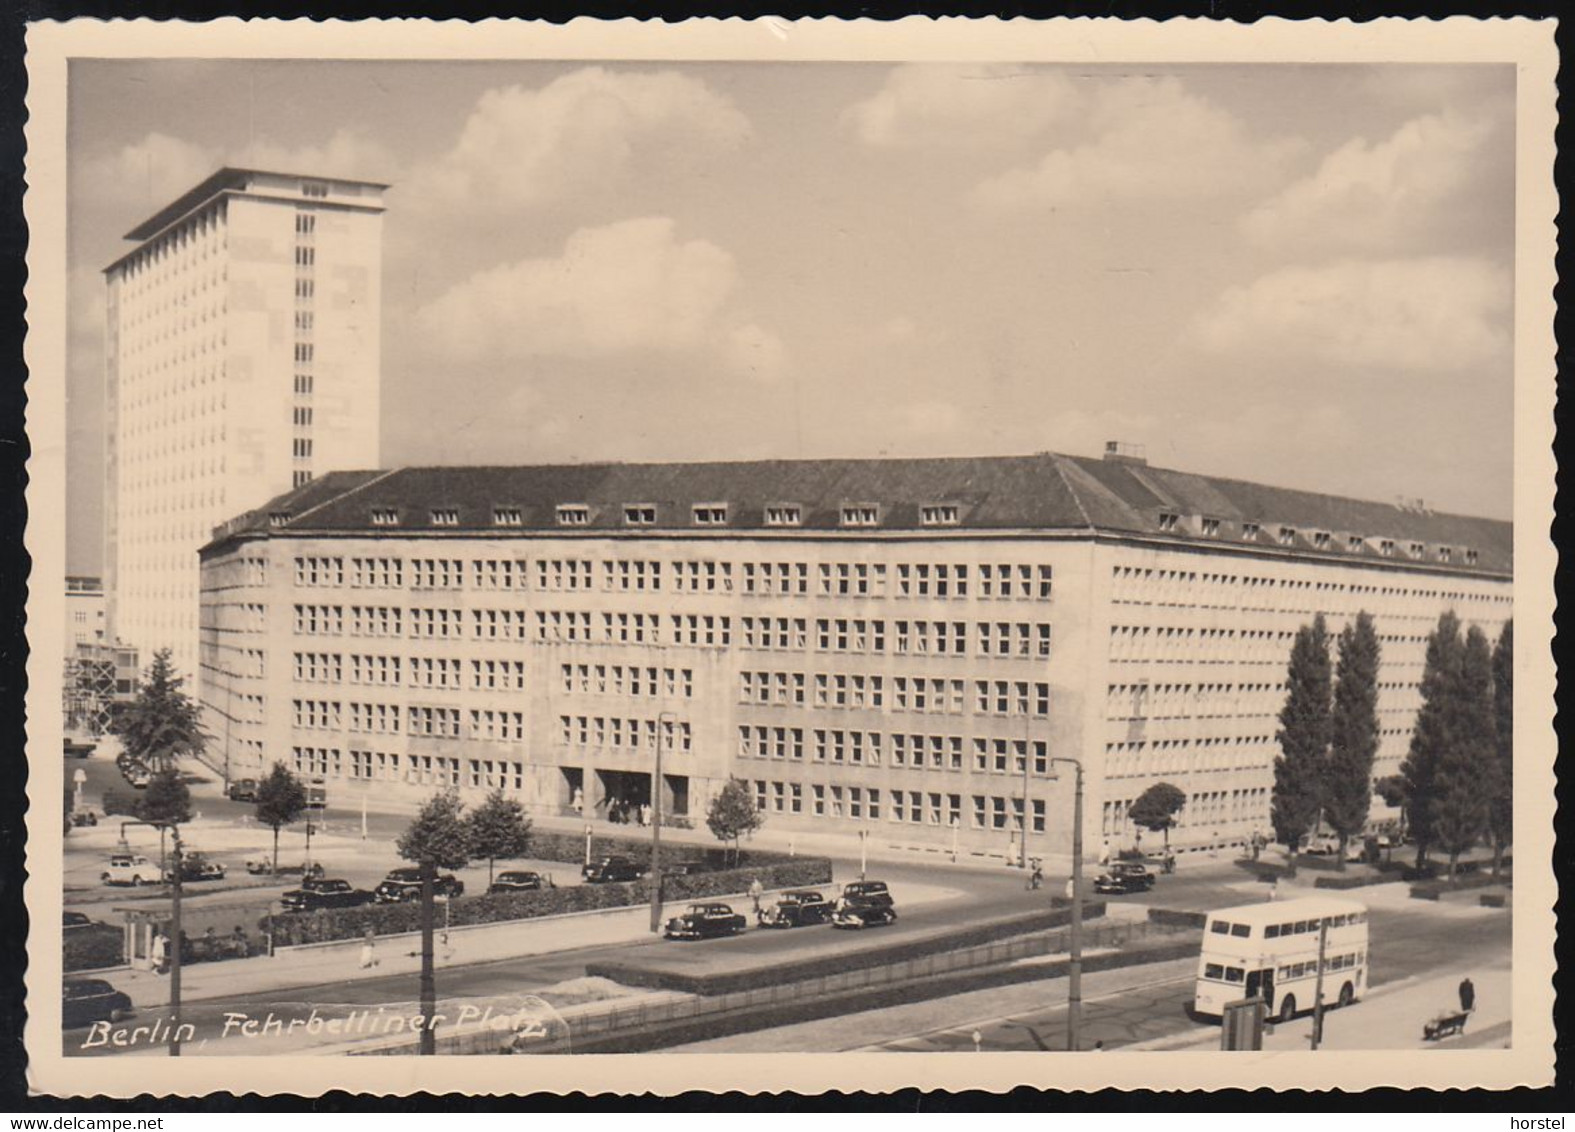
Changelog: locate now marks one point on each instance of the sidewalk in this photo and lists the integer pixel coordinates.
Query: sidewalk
(1390, 1017)
(340, 962)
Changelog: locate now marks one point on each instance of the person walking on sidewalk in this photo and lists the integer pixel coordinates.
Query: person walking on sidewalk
(158, 953)
(368, 951)
(755, 891)
(1468, 995)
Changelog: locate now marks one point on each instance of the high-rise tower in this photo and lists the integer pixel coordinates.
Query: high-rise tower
(243, 357)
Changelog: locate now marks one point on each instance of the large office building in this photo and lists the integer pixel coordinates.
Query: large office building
(905, 647)
(242, 354)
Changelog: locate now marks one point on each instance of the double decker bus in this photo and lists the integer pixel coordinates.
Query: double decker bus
(1270, 949)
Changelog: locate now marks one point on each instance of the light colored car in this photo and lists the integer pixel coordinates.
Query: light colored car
(124, 868)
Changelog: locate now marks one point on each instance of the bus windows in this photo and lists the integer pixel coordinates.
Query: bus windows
(1234, 974)
(1241, 931)
(1271, 931)
(1301, 926)
(1213, 971)
(1220, 927)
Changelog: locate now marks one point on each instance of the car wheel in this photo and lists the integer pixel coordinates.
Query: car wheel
(1347, 995)
(1287, 1008)
(103, 878)
(117, 1015)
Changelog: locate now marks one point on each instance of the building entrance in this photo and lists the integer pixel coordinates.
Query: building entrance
(622, 794)
(571, 790)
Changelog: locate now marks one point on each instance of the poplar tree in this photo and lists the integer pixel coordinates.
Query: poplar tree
(161, 724)
(1353, 732)
(1461, 778)
(1433, 731)
(1501, 811)
(1303, 738)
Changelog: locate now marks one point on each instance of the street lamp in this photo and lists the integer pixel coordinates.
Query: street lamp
(864, 857)
(1074, 971)
(588, 832)
(173, 952)
(662, 721)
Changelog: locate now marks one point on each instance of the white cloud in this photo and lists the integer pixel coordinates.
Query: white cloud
(1439, 313)
(1152, 139)
(926, 104)
(155, 169)
(523, 147)
(1380, 196)
(345, 154)
(619, 289)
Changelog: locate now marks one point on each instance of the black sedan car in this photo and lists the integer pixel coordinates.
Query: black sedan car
(852, 912)
(868, 892)
(795, 908)
(315, 894)
(70, 921)
(1124, 877)
(243, 790)
(403, 885)
(610, 869)
(85, 1001)
(196, 867)
(517, 880)
(702, 921)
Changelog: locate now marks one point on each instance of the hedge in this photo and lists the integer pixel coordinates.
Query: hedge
(773, 971)
(94, 946)
(1352, 880)
(554, 845)
(392, 919)
(1177, 917)
(1432, 889)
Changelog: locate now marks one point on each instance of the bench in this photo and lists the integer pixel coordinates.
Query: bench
(1444, 1026)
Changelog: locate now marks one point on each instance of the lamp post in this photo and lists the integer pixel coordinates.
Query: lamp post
(1074, 970)
(864, 856)
(662, 721)
(173, 952)
(1023, 832)
(588, 844)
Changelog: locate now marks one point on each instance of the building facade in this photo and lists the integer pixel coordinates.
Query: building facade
(242, 355)
(905, 647)
(85, 612)
(98, 673)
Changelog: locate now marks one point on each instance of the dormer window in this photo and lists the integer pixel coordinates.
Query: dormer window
(1287, 536)
(573, 515)
(445, 517)
(710, 514)
(639, 514)
(1168, 520)
(784, 515)
(1471, 557)
(385, 516)
(1386, 547)
(1355, 544)
(1445, 553)
(1321, 540)
(861, 515)
(317, 190)
(1249, 532)
(1211, 528)
(940, 514)
(507, 517)
(278, 518)
(1417, 550)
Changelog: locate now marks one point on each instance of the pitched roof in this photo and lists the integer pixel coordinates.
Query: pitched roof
(1043, 492)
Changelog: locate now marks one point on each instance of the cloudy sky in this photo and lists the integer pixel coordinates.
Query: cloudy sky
(1299, 273)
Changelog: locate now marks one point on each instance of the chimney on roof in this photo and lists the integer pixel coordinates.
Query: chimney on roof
(1121, 452)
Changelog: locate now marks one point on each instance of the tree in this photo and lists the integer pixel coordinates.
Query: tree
(733, 813)
(1460, 803)
(1501, 808)
(1353, 732)
(166, 801)
(498, 828)
(1391, 788)
(1156, 808)
(281, 800)
(439, 834)
(1433, 730)
(161, 724)
(1303, 738)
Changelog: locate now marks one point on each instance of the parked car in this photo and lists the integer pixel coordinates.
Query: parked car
(517, 880)
(700, 921)
(242, 790)
(1123, 877)
(1322, 845)
(868, 892)
(403, 885)
(70, 921)
(686, 868)
(194, 866)
(263, 866)
(84, 1001)
(611, 869)
(857, 912)
(78, 747)
(84, 817)
(316, 894)
(795, 908)
(132, 869)
(139, 777)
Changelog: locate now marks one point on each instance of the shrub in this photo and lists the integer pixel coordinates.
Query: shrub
(92, 947)
(392, 919)
(555, 845)
(1179, 918)
(1352, 880)
(119, 802)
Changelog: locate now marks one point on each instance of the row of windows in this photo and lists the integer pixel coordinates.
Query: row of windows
(899, 749)
(912, 807)
(1269, 593)
(1204, 809)
(424, 672)
(627, 680)
(629, 734)
(713, 514)
(1143, 700)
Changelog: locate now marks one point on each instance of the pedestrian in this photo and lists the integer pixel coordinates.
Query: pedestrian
(1099, 1045)
(1071, 890)
(158, 952)
(1104, 852)
(1274, 889)
(1468, 995)
(755, 890)
(368, 951)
